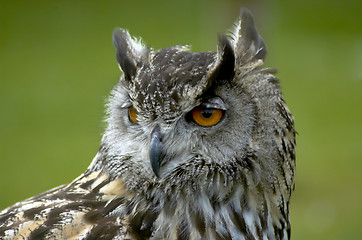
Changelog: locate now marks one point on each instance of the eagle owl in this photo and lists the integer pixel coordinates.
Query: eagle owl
(198, 146)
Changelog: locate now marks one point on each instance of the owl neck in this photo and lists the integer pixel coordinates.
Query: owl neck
(198, 215)
(222, 208)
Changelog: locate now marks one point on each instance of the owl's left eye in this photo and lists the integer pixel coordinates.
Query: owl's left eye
(132, 114)
(207, 116)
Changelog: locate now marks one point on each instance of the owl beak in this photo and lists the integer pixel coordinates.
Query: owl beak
(156, 150)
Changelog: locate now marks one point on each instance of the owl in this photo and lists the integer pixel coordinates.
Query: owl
(197, 146)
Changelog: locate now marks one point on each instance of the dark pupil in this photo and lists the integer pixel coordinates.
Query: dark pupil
(207, 112)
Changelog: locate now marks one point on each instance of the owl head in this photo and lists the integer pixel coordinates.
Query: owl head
(184, 120)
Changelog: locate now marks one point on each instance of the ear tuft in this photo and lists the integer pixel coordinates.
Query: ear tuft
(226, 58)
(129, 52)
(248, 43)
(225, 64)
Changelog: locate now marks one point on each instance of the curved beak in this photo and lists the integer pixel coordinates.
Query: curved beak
(156, 150)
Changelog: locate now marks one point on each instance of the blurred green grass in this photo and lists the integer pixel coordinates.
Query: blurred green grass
(57, 67)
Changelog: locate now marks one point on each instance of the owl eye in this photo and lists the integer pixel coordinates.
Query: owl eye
(207, 116)
(132, 114)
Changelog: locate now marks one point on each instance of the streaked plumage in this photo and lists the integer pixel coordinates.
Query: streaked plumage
(164, 171)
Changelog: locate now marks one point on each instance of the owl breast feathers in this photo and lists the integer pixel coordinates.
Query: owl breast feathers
(198, 146)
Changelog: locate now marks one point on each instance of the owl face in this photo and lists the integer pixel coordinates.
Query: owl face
(178, 113)
(179, 106)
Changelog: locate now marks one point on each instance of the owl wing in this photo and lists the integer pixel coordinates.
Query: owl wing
(80, 210)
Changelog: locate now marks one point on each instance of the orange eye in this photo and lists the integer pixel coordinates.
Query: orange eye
(132, 115)
(207, 116)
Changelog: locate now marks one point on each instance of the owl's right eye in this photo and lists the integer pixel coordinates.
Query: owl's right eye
(207, 117)
(132, 115)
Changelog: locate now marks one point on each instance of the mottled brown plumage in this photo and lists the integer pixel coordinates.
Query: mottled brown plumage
(198, 146)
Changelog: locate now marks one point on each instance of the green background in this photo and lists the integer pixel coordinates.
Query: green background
(57, 66)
